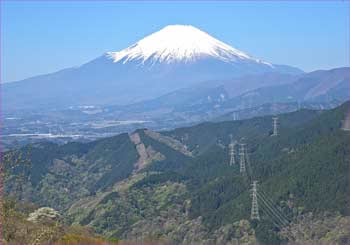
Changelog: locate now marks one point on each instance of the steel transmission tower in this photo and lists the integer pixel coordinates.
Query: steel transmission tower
(255, 208)
(242, 159)
(234, 116)
(232, 151)
(275, 126)
(346, 125)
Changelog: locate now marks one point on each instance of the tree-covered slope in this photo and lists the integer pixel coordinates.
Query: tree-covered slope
(60, 174)
(178, 187)
(309, 162)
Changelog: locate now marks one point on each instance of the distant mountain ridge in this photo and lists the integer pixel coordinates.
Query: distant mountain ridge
(328, 88)
(173, 58)
(317, 86)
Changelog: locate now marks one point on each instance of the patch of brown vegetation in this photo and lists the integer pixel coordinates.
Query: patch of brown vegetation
(147, 155)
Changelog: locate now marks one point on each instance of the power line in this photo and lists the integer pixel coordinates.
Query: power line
(271, 218)
(278, 213)
(272, 202)
(284, 222)
(278, 209)
(271, 213)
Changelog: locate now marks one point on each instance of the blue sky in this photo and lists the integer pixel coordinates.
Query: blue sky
(42, 37)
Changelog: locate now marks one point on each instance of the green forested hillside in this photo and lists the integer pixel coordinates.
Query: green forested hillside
(178, 187)
(59, 174)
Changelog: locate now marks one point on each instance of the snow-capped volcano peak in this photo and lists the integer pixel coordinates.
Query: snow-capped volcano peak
(175, 43)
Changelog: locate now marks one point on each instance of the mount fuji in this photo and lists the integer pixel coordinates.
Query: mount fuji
(175, 57)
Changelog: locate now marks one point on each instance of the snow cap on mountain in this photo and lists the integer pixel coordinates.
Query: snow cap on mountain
(180, 43)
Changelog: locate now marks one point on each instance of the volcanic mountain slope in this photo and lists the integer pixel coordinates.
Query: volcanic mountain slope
(177, 186)
(175, 57)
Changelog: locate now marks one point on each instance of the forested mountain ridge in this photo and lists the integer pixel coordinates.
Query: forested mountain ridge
(177, 186)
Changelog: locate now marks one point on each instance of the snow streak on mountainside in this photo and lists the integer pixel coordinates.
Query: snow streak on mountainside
(180, 43)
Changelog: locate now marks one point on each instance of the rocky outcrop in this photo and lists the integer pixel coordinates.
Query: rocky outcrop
(44, 214)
